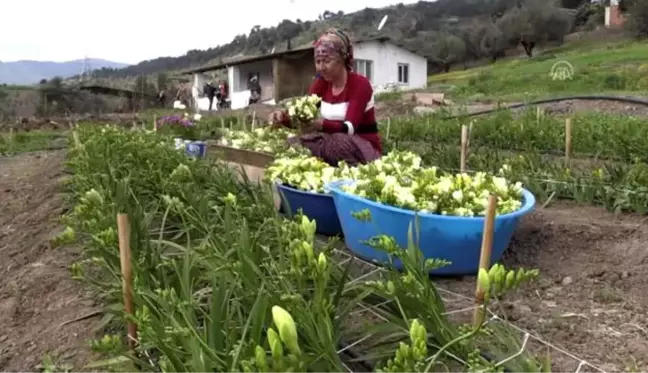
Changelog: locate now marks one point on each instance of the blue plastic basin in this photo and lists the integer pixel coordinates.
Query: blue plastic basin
(316, 206)
(452, 238)
(196, 149)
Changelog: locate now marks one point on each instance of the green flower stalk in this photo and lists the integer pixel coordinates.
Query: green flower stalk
(410, 358)
(308, 228)
(287, 329)
(483, 279)
(260, 359)
(321, 263)
(229, 199)
(275, 345)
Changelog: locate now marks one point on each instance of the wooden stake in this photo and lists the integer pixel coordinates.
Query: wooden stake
(568, 138)
(123, 230)
(154, 122)
(11, 134)
(464, 148)
(485, 255)
(75, 137)
(253, 120)
(470, 128)
(388, 128)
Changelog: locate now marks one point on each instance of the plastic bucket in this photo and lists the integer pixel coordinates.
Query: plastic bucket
(316, 206)
(452, 238)
(196, 149)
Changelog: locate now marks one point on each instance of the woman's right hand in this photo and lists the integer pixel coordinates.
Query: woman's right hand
(275, 118)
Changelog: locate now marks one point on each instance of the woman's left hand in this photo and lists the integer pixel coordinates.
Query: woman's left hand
(314, 126)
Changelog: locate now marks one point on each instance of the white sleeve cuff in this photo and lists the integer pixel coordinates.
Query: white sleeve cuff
(350, 128)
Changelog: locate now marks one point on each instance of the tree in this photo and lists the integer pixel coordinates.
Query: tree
(637, 19)
(162, 81)
(471, 35)
(493, 42)
(626, 5)
(287, 30)
(574, 4)
(143, 87)
(534, 22)
(447, 50)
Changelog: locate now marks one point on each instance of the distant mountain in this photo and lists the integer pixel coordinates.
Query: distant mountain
(31, 72)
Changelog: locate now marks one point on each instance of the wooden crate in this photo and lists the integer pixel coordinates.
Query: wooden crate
(240, 156)
(247, 162)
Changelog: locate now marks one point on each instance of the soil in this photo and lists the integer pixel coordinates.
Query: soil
(574, 106)
(590, 299)
(601, 106)
(37, 294)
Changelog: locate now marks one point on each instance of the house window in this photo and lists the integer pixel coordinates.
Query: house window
(403, 73)
(364, 67)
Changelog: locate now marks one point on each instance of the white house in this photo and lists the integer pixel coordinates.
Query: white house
(613, 15)
(290, 73)
(388, 65)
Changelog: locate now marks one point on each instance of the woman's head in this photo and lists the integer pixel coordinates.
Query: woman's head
(333, 54)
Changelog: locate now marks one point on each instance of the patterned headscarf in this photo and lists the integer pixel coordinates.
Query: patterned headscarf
(334, 43)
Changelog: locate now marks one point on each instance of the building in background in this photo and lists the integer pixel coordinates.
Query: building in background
(613, 16)
(289, 73)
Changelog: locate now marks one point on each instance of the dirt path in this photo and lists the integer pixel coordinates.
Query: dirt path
(591, 299)
(37, 294)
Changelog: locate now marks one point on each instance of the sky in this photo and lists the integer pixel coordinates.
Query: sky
(131, 31)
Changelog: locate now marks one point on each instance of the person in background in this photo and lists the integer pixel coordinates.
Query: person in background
(222, 94)
(162, 98)
(210, 91)
(347, 130)
(183, 95)
(255, 89)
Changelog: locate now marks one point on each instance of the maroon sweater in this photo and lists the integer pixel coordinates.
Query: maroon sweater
(351, 111)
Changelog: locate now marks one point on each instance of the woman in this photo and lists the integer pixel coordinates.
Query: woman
(347, 130)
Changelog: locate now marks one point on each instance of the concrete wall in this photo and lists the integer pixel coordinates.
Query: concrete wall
(241, 75)
(386, 57)
(613, 16)
(295, 74)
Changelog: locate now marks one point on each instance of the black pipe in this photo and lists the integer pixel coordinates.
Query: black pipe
(626, 99)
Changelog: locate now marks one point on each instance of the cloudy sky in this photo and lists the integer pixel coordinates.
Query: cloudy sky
(130, 31)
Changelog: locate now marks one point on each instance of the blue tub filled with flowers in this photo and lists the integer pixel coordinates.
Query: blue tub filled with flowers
(316, 206)
(450, 211)
(300, 181)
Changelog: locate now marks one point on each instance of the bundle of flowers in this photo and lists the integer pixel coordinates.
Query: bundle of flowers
(310, 174)
(263, 139)
(303, 109)
(432, 192)
(397, 179)
(303, 172)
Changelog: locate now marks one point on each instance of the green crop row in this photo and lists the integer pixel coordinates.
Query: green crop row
(618, 187)
(212, 260)
(609, 136)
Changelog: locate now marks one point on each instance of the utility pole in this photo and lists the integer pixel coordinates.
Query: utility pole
(86, 73)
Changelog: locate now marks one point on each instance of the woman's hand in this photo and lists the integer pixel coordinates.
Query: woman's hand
(314, 126)
(275, 118)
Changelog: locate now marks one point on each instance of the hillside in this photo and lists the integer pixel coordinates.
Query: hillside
(445, 31)
(32, 72)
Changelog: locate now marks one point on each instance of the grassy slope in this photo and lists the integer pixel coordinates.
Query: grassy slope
(598, 68)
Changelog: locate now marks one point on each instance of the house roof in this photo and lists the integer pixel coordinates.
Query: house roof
(248, 59)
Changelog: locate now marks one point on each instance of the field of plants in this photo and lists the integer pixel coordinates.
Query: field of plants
(222, 281)
(612, 68)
